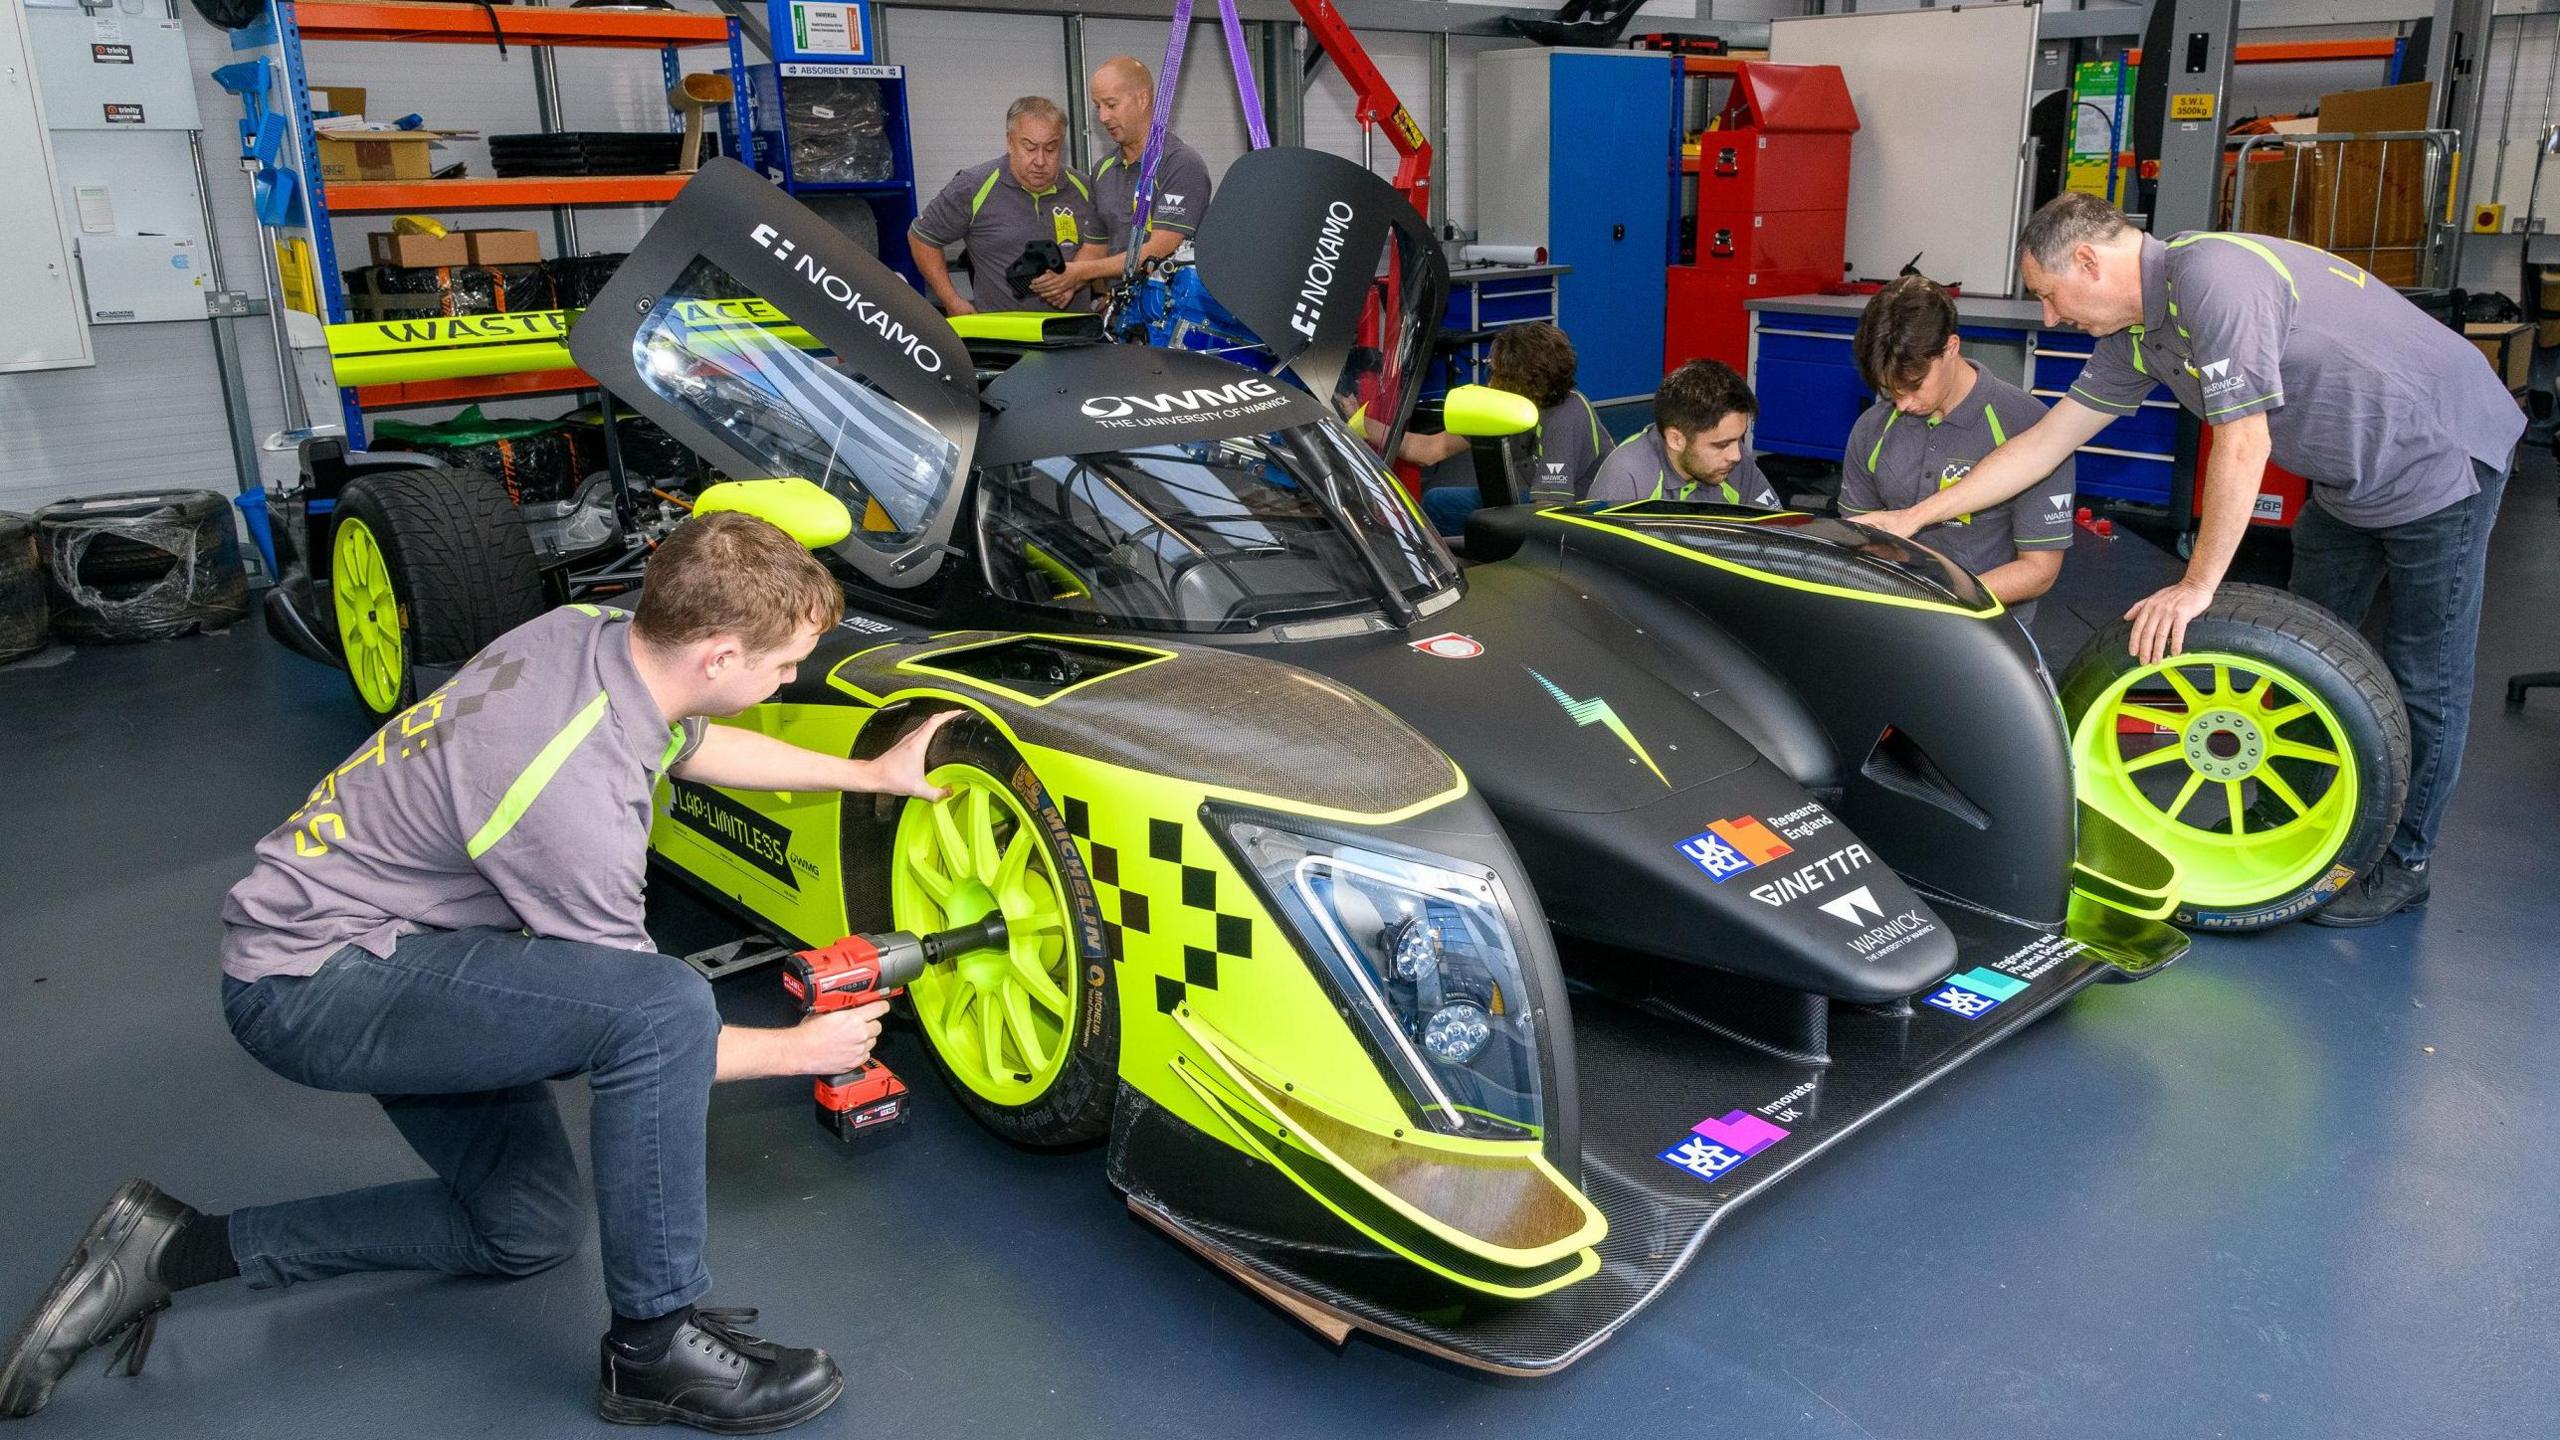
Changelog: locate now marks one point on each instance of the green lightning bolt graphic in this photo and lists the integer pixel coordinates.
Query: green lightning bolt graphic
(1596, 711)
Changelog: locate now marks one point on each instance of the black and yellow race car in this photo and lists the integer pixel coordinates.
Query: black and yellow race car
(1440, 947)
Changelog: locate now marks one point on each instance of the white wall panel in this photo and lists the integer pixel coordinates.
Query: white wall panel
(1405, 60)
(1206, 112)
(963, 69)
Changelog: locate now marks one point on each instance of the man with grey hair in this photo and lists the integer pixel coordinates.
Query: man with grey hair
(1124, 102)
(2289, 352)
(1012, 216)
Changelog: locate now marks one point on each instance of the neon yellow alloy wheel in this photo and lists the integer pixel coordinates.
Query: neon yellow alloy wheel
(2240, 772)
(999, 1018)
(368, 615)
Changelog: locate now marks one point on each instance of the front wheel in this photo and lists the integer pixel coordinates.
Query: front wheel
(1028, 1033)
(2269, 760)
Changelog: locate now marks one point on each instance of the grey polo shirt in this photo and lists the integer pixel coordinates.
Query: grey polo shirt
(1571, 441)
(515, 796)
(988, 212)
(2381, 408)
(1182, 193)
(1895, 461)
(1640, 469)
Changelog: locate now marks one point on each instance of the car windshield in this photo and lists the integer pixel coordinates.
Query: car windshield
(1214, 535)
(745, 371)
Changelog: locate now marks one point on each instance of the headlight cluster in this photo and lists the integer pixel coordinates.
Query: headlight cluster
(1420, 951)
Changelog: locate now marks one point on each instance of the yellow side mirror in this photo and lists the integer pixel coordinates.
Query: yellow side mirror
(1481, 412)
(792, 505)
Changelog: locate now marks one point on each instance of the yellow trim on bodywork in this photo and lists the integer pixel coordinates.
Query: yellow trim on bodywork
(1594, 522)
(790, 504)
(1018, 327)
(914, 664)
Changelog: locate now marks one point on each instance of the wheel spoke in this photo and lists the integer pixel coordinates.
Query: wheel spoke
(946, 830)
(2221, 681)
(2186, 792)
(1035, 978)
(2160, 756)
(2257, 696)
(2268, 777)
(2150, 716)
(2278, 719)
(2232, 798)
(1039, 916)
(1017, 859)
(956, 1008)
(984, 858)
(991, 1039)
(1026, 1032)
(2295, 750)
(933, 882)
(2186, 689)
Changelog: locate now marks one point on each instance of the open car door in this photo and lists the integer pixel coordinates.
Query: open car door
(1335, 272)
(773, 346)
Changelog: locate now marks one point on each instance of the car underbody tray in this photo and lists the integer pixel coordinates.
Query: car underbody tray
(1679, 1125)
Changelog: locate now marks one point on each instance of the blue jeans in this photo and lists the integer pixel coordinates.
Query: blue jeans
(457, 1035)
(1449, 506)
(2436, 565)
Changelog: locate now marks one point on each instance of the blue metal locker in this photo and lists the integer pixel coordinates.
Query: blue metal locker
(1612, 133)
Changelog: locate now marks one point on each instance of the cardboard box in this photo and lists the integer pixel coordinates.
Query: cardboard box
(2550, 286)
(2509, 349)
(377, 155)
(502, 247)
(2366, 202)
(2550, 336)
(420, 251)
(338, 99)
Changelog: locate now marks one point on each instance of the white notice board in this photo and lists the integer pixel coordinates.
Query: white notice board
(1939, 160)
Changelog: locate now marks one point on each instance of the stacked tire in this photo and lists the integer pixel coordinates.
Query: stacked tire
(141, 565)
(25, 616)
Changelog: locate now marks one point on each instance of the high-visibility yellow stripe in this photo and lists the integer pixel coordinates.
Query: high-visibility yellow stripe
(1999, 436)
(985, 190)
(528, 786)
(2245, 243)
(1889, 417)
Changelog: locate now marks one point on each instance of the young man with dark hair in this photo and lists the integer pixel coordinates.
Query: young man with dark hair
(1936, 414)
(454, 919)
(1694, 448)
(1537, 362)
(1000, 210)
(2295, 355)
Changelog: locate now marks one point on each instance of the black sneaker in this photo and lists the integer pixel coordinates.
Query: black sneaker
(2378, 894)
(715, 1376)
(109, 1288)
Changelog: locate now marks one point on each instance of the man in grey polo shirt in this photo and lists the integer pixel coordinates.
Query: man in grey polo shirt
(1694, 449)
(998, 210)
(1124, 102)
(1936, 415)
(2399, 424)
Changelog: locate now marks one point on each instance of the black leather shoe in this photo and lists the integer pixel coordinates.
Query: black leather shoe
(109, 1288)
(717, 1377)
(2378, 894)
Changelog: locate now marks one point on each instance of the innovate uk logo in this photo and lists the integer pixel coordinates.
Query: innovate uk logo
(1714, 1147)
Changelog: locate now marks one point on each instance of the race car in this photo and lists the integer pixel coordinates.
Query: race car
(1440, 948)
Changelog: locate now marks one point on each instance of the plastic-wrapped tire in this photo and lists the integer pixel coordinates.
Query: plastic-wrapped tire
(1029, 1037)
(425, 567)
(2269, 759)
(25, 617)
(141, 565)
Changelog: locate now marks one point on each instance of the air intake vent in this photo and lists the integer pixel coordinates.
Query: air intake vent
(1036, 668)
(1899, 764)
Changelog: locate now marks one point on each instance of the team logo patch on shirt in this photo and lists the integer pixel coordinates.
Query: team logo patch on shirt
(1062, 221)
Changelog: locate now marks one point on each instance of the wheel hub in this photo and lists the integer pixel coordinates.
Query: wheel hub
(2224, 745)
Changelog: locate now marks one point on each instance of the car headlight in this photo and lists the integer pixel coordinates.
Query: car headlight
(1419, 949)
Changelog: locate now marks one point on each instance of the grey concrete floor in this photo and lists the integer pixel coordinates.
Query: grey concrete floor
(2300, 1186)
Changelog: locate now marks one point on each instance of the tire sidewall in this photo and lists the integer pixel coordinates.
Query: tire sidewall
(2380, 754)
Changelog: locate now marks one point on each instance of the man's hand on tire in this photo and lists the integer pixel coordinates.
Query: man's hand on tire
(900, 771)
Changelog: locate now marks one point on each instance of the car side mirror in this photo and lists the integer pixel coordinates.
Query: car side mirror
(1481, 412)
(791, 505)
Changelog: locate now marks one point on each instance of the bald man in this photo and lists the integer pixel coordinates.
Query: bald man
(1124, 104)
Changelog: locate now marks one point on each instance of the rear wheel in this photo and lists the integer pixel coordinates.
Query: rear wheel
(425, 567)
(2269, 760)
(1029, 1033)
